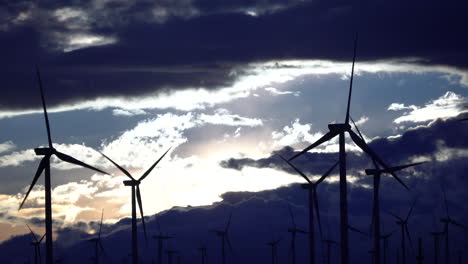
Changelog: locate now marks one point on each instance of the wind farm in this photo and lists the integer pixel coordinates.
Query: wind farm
(206, 112)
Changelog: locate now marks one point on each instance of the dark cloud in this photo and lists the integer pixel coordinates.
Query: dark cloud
(203, 50)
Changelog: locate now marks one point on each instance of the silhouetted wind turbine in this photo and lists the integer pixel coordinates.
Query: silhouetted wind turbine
(44, 165)
(293, 232)
(204, 256)
(376, 173)
(224, 235)
(403, 223)
(274, 250)
(436, 236)
(160, 238)
(385, 238)
(329, 243)
(448, 220)
(170, 254)
(313, 203)
(37, 246)
(420, 257)
(135, 185)
(340, 130)
(97, 242)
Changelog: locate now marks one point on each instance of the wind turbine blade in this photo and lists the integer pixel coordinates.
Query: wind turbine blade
(351, 81)
(317, 212)
(118, 166)
(228, 223)
(100, 225)
(72, 160)
(327, 173)
(40, 240)
(229, 244)
(357, 129)
(409, 237)
(296, 169)
(41, 168)
(154, 165)
(396, 216)
(372, 220)
(292, 215)
(373, 155)
(411, 210)
(46, 117)
(445, 202)
(329, 135)
(458, 224)
(357, 230)
(397, 168)
(140, 205)
(32, 234)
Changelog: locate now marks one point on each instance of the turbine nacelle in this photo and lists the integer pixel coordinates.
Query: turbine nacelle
(307, 186)
(131, 183)
(339, 128)
(45, 151)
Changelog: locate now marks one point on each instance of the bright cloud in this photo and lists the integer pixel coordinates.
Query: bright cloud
(294, 134)
(7, 146)
(448, 105)
(224, 117)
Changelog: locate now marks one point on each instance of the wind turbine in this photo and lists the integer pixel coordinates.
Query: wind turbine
(44, 166)
(204, 256)
(376, 173)
(135, 186)
(97, 242)
(436, 238)
(448, 220)
(403, 223)
(293, 232)
(340, 130)
(385, 238)
(313, 203)
(170, 254)
(160, 238)
(274, 250)
(420, 257)
(223, 234)
(37, 246)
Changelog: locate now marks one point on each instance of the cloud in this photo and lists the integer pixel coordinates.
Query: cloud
(448, 105)
(148, 58)
(7, 146)
(123, 112)
(294, 134)
(275, 91)
(224, 117)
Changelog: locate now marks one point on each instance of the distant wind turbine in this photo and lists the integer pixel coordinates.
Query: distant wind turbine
(405, 234)
(97, 242)
(204, 256)
(376, 173)
(224, 235)
(436, 237)
(37, 246)
(170, 255)
(313, 203)
(385, 238)
(447, 220)
(293, 232)
(135, 185)
(340, 130)
(44, 165)
(274, 250)
(160, 238)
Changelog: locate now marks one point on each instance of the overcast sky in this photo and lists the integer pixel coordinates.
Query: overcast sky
(225, 84)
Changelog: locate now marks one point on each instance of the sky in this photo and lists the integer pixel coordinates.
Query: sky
(227, 85)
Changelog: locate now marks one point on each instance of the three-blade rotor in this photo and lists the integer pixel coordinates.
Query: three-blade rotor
(136, 183)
